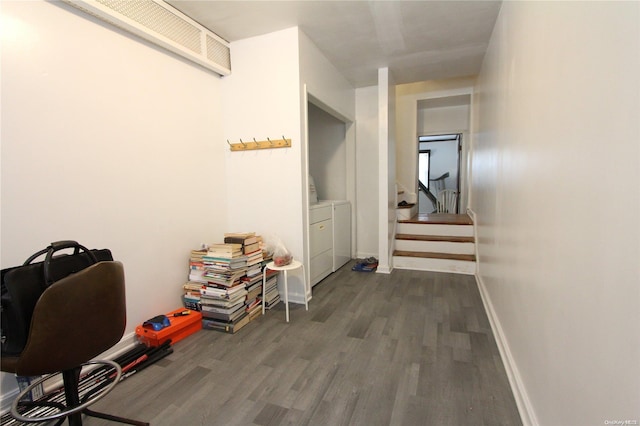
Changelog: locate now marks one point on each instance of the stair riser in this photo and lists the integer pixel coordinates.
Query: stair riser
(406, 214)
(433, 229)
(436, 265)
(436, 246)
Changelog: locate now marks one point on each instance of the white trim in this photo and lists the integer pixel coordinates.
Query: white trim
(472, 214)
(527, 413)
(364, 255)
(434, 265)
(384, 270)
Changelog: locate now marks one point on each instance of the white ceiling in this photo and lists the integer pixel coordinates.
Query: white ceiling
(417, 40)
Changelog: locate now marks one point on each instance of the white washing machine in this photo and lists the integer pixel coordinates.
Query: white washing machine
(329, 237)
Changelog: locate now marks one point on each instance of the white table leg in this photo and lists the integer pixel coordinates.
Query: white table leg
(304, 286)
(286, 294)
(264, 276)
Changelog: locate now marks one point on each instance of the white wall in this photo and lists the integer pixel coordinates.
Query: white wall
(366, 170)
(327, 154)
(323, 81)
(559, 267)
(261, 96)
(105, 140)
(442, 120)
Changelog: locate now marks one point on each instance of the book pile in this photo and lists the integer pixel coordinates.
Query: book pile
(223, 308)
(224, 264)
(253, 303)
(196, 265)
(250, 243)
(225, 282)
(191, 296)
(271, 295)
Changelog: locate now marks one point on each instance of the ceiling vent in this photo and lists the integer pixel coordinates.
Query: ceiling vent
(161, 24)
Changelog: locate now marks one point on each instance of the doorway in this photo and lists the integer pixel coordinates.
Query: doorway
(438, 169)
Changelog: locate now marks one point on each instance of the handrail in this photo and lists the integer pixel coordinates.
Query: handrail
(443, 177)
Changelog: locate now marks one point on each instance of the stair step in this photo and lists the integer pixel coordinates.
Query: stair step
(436, 264)
(436, 244)
(447, 230)
(444, 238)
(406, 212)
(433, 255)
(440, 219)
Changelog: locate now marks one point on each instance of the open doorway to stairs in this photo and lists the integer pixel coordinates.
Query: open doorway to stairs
(438, 169)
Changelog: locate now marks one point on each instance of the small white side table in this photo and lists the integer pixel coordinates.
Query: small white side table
(293, 265)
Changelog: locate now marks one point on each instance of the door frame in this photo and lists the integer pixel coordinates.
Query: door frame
(441, 137)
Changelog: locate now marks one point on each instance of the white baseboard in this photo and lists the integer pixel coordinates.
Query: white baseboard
(126, 343)
(527, 414)
(384, 269)
(364, 255)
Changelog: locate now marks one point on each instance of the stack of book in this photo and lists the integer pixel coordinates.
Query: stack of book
(196, 265)
(224, 264)
(223, 308)
(271, 295)
(225, 282)
(191, 297)
(252, 249)
(253, 303)
(250, 242)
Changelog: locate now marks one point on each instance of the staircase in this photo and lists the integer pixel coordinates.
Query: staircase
(406, 212)
(436, 242)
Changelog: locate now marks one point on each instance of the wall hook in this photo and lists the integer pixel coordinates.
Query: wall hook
(270, 141)
(228, 142)
(243, 144)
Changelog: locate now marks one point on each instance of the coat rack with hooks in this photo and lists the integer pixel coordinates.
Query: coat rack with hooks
(254, 144)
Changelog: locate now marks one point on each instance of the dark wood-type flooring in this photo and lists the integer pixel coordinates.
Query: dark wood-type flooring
(407, 348)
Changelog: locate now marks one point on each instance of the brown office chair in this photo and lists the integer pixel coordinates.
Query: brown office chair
(76, 319)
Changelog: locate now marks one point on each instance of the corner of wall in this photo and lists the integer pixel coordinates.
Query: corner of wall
(525, 408)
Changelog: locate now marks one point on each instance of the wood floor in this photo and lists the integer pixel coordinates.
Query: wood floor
(409, 348)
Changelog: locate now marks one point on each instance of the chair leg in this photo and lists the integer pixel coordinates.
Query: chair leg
(71, 379)
(73, 407)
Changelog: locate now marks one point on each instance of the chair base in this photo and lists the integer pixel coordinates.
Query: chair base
(113, 418)
(74, 407)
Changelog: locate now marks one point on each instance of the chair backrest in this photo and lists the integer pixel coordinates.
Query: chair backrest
(447, 200)
(75, 319)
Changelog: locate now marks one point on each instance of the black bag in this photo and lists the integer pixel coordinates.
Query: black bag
(23, 285)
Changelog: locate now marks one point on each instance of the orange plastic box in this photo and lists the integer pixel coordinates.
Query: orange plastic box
(180, 328)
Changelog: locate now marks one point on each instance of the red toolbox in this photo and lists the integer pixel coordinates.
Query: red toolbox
(181, 327)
